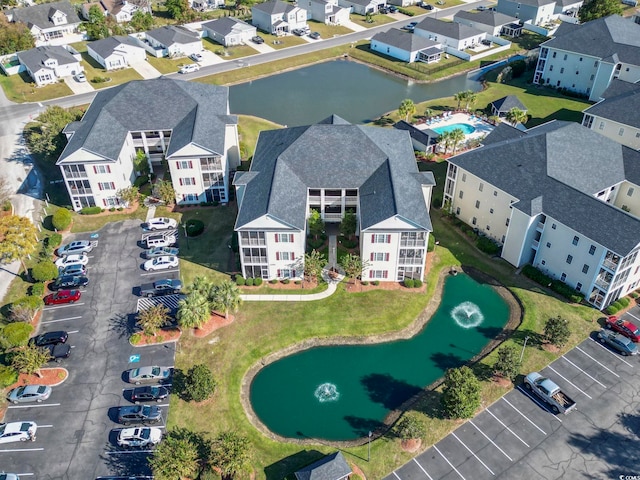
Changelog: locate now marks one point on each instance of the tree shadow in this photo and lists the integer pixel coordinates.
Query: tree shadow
(445, 361)
(362, 426)
(429, 403)
(123, 324)
(387, 391)
(135, 463)
(284, 468)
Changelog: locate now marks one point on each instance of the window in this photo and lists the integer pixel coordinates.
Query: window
(554, 55)
(284, 237)
(630, 192)
(548, 244)
(182, 164)
(481, 186)
(569, 259)
(464, 178)
(563, 277)
(577, 73)
(477, 203)
(553, 226)
(190, 197)
(621, 132)
(458, 211)
(488, 227)
(558, 83)
(491, 210)
(379, 257)
(380, 238)
(474, 221)
(507, 222)
(595, 64)
(285, 256)
(580, 59)
(592, 77)
(601, 126)
(187, 181)
(106, 186)
(544, 262)
(575, 240)
(378, 273)
(578, 286)
(562, 70)
(565, 56)
(101, 169)
(503, 239)
(585, 268)
(460, 194)
(551, 68)
(495, 193)
(592, 249)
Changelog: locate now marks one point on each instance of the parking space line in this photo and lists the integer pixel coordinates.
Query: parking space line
(396, 475)
(160, 272)
(45, 426)
(425, 472)
(450, 464)
(610, 352)
(125, 452)
(492, 442)
(471, 452)
(512, 432)
(540, 404)
(601, 364)
(14, 450)
(60, 320)
(632, 315)
(602, 385)
(63, 306)
(569, 382)
(25, 475)
(36, 406)
(73, 331)
(524, 416)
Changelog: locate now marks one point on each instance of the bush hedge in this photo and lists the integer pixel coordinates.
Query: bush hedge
(90, 211)
(61, 219)
(37, 289)
(54, 240)
(194, 227)
(556, 285)
(376, 282)
(17, 334)
(488, 246)
(611, 310)
(257, 282)
(141, 180)
(315, 243)
(44, 270)
(347, 242)
(29, 301)
(8, 376)
(408, 282)
(273, 282)
(249, 282)
(417, 283)
(286, 281)
(431, 244)
(624, 301)
(240, 280)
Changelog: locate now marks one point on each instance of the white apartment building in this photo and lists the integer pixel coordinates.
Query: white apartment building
(187, 124)
(560, 197)
(334, 167)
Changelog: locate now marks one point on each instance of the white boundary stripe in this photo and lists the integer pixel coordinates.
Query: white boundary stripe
(25, 474)
(425, 472)
(450, 464)
(36, 406)
(610, 352)
(492, 442)
(73, 331)
(396, 475)
(60, 320)
(63, 306)
(125, 452)
(569, 382)
(471, 452)
(45, 426)
(158, 272)
(512, 432)
(632, 315)
(22, 450)
(542, 405)
(602, 385)
(601, 364)
(524, 416)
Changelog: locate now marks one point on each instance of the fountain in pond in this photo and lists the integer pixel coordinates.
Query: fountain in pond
(467, 315)
(327, 392)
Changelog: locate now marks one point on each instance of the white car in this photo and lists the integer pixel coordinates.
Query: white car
(196, 57)
(161, 223)
(139, 437)
(17, 432)
(160, 263)
(190, 68)
(75, 259)
(9, 476)
(80, 246)
(80, 77)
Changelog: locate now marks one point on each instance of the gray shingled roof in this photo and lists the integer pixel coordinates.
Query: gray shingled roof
(197, 113)
(171, 34)
(557, 168)
(40, 15)
(621, 104)
(331, 467)
(505, 104)
(606, 38)
(225, 25)
(34, 59)
(448, 29)
(487, 17)
(404, 40)
(273, 7)
(334, 154)
(534, 3)
(107, 46)
(363, 3)
(426, 137)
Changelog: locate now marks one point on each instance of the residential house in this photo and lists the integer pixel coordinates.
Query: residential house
(331, 467)
(49, 64)
(186, 124)
(50, 23)
(423, 140)
(362, 7)
(116, 52)
(494, 23)
(229, 31)
(586, 58)
(203, 5)
(569, 8)
(277, 17)
(536, 12)
(368, 171)
(560, 197)
(616, 115)
(120, 10)
(406, 47)
(454, 35)
(326, 11)
(172, 41)
(500, 107)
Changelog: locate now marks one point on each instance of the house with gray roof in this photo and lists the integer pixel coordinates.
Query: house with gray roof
(120, 10)
(119, 51)
(616, 115)
(494, 23)
(331, 467)
(453, 36)
(334, 167)
(187, 124)
(229, 31)
(500, 107)
(326, 11)
(569, 8)
(362, 7)
(171, 41)
(560, 197)
(406, 47)
(536, 12)
(586, 58)
(50, 64)
(53, 23)
(278, 18)
(424, 140)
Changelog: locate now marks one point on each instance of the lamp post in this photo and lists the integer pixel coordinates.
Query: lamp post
(369, 447)
(184, 226)
(523, 347)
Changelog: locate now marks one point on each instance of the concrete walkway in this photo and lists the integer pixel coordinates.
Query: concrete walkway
(331, 288)
(78, 87)
(145, 69)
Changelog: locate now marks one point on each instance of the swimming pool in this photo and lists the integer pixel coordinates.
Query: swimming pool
(465, 127)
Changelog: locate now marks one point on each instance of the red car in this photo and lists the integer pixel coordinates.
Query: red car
(624, 327)
(62, 296)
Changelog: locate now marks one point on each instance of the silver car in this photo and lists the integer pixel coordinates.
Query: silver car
(79, 246)
(29, 393)
(153, 374)
(139, 437)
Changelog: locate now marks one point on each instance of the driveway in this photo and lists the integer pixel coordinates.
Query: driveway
(261, 47)
(78, 87)
(145, 69)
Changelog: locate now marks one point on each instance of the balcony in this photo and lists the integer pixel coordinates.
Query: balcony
(254, 259)
(413, 243)
(609, 264)
(75, 175)
(535, 244)
(603, 283)
(253, 242)
(80, 191)
(411, 261)
(332, 217)
(540, 226)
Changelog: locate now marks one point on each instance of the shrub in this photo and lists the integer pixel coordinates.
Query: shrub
(507, 364)
(376, 282)
(365, 283)
(518, 68)
(240, 280)
(273, 282)
(610, 310)
(8, 376)
(410, 426)
(461, 393)
(90, 211)
(17, 334)
(199, 383)
(135, 338)
(54, 240)
(61, 219)
(315, 243)
(298, 282)
(408, 282)
(37, 289)
(417, 283)
(112, 209)
(624, 301)
(141, 180)
(556, 285)
(120, 209)
(286, 281)
(257, 282)
(32, 302)
(634, 295)
(406, 12)
(556, 331)
(618, 305)
(488, 246)
(194, 227)
(249, 282)
(431, 244)
(348, 242)
(44, 271)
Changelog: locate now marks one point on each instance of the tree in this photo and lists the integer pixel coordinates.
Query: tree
(30, 359)
(153, 318)
(460, 97)
(229, 453)
(199, 383)
(22, 313)
(470, 98)
(128, 195)
(595, 9)
(61, 219)
(166, 192)
(202, 285)
(445, 139)
(14, 37)
(177, 456)
(17, 334)
(226, 297)
(315, 223)
(141, 163)
(18, 238)
(349, 224)
(410, 427)
(456, 136)
(178, 9)
(556, 331)
(44, 136)
(141, 21)
(407, 108)
(428, 112)
(353, 265)
(515, 116)
(44, 270)
(193, 310)
(314, 262)
(96, 26)
(507, 364)
(461, 393)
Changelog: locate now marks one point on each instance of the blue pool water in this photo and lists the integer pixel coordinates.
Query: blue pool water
(465, 127)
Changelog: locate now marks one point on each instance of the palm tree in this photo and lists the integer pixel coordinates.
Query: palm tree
(193, 310)
(407, 108)
(201, 285)
(456, 136)
(445, 139)
(515, 116)
(470, 98)
(428, 113)
(460, 97)
(225, 297)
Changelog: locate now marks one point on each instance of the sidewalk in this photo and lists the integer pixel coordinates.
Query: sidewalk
(331, 288)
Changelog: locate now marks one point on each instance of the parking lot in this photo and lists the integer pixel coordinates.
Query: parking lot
(73, 439)
(518, 437)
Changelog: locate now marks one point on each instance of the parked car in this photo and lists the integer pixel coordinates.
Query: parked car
(160, 240)
(17, 432)
(58, 352)
(298, 32)
(618, 342)
(152, 393)
(383, 10)
(68, 282)
(152, 374)
(161, 223)
(79, 246)
(481, 8)
(160, 251)
(139, 437)
(80, 77)
(624, 327)
(410, 26)
(549, 392)
(29, 393)
(139, 414)
(166, 286)
(257, 39)
(9, 476)
(196, 57)
(75, 258)
(189, 68)
(392, 9)
(49, 338)
(161, 263)
(74, 269)
(315, 35)
(62, 296)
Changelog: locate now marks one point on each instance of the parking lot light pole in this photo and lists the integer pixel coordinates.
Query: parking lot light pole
(184, 226)
(524, 345)
(369, 447)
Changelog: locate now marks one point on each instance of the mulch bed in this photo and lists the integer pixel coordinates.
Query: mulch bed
(162, 336)
(215, 322)
(50, 376)
(130, 209)
(411, 445)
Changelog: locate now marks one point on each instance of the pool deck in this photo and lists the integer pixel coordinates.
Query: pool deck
(482, 128)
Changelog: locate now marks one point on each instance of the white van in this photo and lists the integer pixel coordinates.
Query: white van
(160, 240)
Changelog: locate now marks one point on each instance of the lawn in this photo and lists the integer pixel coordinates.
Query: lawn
(228, 53)
(327, 31)
(93, 223)
(281, 42)
(249, 128)
(167, 65)
(20, 88)
(93, 69)
(372, 21)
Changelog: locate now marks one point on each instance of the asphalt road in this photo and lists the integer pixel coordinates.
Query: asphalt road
(74, 439)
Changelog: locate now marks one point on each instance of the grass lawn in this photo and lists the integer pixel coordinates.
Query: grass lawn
(167, 65)
(375, 20)
(281, 42)
(92, 223)
(249, 128)
(228, 53)
(93, 69)
(20, 88)
(327, 31)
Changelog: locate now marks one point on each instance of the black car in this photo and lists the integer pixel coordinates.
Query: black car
(167, 286)
(59, 351)
(257, 39)
(149, 394)
(141, 414)
(392, 9)
(49, 338)
(383, 10)
(315, 35)
(69, 282)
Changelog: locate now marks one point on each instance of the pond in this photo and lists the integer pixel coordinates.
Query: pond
(342, 392)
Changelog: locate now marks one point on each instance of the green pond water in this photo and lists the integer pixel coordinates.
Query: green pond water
(343, 392)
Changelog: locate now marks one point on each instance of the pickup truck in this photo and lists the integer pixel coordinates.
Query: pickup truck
(549, 392)
(167, 286)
